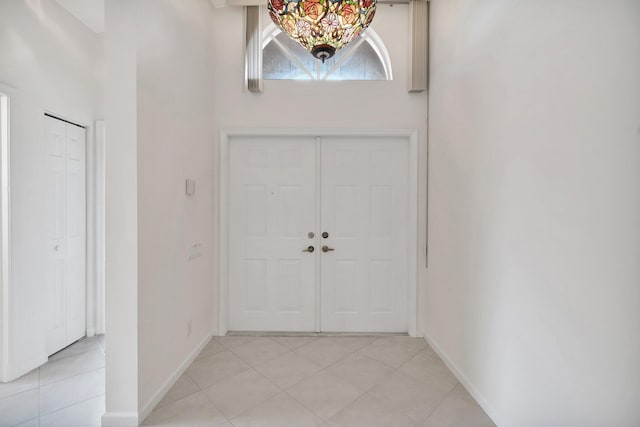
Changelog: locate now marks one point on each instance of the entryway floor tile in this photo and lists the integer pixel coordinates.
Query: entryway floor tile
(252, 381)
(319, 381)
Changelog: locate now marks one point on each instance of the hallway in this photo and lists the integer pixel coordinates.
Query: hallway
(392, 381)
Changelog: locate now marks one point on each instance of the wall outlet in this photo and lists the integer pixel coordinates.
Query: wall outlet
(189, 328)
(195, 251)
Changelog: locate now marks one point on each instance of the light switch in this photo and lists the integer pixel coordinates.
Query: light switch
(190, 188)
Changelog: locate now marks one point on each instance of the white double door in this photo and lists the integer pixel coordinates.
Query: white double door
(291, 197)
(65, 318)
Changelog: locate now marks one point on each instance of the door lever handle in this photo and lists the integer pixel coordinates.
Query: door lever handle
(326, 248)
(310, 249)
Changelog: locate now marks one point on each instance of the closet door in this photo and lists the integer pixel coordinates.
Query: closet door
(364, 271)
(66, 234)
(272, 210)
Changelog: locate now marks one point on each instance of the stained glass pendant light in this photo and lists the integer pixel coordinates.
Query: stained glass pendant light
(322, 26)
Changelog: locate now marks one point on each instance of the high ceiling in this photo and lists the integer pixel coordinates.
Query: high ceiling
(90, 12)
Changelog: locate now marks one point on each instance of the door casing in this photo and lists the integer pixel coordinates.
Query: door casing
(226, 138)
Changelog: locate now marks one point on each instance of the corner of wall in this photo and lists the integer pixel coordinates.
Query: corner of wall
(471, 389)
(148, 407)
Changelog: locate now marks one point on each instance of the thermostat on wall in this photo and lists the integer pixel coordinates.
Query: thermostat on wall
(190, 188)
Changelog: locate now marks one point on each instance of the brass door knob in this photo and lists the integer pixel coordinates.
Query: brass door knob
(310, 249)
(326, 248)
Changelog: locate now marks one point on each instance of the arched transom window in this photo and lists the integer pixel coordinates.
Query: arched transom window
(364, 59)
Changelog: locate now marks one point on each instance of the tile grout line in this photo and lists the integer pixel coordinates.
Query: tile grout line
(77, 354)
(40, 415)
(413, 357)
(70, 406)
(251, 368)
(281, 390)
(326, 369)
(72, 376)
(435, 408)
(326, 421)
(200, 389)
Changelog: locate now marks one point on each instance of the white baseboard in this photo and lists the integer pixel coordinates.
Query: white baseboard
(473, 391)
(120, 419)
(158, 395)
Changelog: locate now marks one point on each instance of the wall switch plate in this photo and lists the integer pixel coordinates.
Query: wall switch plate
(190, 187)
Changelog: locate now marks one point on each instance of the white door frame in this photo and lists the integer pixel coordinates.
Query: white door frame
(226, 135)
(7, 94)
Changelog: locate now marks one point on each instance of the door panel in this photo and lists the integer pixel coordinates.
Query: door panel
(76, 233)
(66, 235)
(272, 206)
(364, 207)
(362, 285)
(55, 135)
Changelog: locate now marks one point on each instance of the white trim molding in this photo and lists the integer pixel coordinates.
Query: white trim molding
(5, 230)
(226, 135)
(468, 385)
(99, 199)
(162, 391)
(120, 419)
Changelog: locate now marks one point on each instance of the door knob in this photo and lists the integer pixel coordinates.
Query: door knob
(309, 249)
(56, 248)
(326, 248)
(325, 234)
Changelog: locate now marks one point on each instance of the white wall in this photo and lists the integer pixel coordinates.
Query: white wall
(329, 104)
(121, 213)
(160, 74)
(175, 142)
(534, 275)
(51, 63)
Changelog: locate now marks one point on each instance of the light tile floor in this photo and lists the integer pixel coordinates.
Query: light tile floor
(246, 381)
(67, 391)
(384, 381)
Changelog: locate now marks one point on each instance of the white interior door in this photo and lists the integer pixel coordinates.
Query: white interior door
(66, 234)
(365, 212)
(272, 206)
(354, 189)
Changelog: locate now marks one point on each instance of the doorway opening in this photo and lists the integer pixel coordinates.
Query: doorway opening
(62, 299)
(66, 239)
(337, 213)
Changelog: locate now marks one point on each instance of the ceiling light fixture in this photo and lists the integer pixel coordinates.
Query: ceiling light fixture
(322, 26)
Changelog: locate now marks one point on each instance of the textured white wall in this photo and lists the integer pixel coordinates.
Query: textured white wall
(121, 216)
(160, 74)
(534, 277)
(329, 104)
(52, 63)
(175, 141)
